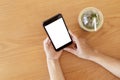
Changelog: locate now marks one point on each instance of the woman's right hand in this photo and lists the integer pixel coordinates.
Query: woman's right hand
(81, 48)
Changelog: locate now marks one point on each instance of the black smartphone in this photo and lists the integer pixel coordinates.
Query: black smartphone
(57, 32)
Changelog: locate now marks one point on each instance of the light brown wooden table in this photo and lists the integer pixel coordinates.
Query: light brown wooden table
(21, 38)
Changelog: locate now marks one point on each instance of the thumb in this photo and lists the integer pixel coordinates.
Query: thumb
(70, 50)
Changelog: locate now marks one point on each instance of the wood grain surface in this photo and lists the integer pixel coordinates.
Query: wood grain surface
(22, 55)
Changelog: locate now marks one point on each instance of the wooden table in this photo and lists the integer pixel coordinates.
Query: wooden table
(21, 38)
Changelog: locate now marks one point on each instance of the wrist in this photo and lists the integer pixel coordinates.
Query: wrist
(94, 56)
(52, 60)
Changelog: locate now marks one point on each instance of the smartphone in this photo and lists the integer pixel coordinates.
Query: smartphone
(57, 32)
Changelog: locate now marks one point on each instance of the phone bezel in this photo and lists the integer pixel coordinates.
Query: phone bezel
(49, 21)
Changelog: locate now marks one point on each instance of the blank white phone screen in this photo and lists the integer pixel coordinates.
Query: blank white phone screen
(58, 33)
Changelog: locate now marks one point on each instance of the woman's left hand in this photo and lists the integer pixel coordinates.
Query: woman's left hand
(49, 50)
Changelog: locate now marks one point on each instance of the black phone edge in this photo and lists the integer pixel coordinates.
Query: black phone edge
(48, 21)
(67, 44)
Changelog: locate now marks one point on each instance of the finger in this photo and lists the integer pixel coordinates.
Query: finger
(72, 35)
(74, 38)
(49, 42)
(45, 43)
(46, 40)
(70, 50)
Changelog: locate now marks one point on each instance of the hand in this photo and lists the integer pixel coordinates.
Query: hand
(80, 48)
(49, 50)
